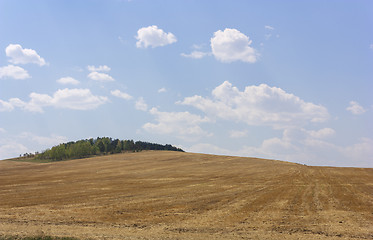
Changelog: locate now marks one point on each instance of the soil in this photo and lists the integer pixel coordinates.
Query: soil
(173, 195)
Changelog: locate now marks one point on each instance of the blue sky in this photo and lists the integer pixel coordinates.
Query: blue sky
(287, 80)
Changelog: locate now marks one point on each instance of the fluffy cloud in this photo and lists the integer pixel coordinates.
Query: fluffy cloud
(101, 68)
(120, 94)
(195, 54)
(153, 36)
(322, 133)
(231, 45)
(5, 106)
(183, 125)
(77, 99)
(302, 146)
(141, 104)
(355, 108)
(12, 71)
(19, 55)
(68, 80)
(102, 77)
(258, 105)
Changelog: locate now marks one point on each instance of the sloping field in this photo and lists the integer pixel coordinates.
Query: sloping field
(173, 195)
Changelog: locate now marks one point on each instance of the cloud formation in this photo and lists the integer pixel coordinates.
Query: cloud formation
(14, 145)
(231, 45)
(258, 105)
(183, 125)
(120, 94)
(355, 108)
(299, 145)
(153, 36)
(68, 80)
(76, 99)
(12, 71)
(19, 55)
(141, 104)
(101, 77)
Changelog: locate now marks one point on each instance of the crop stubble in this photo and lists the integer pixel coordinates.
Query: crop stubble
(172, 195)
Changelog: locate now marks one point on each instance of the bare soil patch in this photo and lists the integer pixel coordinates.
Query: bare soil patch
(173, 195)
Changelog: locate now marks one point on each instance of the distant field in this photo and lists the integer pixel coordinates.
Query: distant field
(175, 195)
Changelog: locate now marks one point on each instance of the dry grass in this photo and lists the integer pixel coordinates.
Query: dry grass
(172, 195)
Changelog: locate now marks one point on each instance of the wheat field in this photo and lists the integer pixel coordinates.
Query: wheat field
(174, 195)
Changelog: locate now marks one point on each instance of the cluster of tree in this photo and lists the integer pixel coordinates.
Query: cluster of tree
(99, 146)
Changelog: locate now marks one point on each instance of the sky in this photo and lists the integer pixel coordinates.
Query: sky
(285, 80)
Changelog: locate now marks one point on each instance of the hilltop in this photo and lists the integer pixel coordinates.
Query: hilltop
(93, 147)
(178, 195)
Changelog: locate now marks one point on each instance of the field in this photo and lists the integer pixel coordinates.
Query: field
(173, 195)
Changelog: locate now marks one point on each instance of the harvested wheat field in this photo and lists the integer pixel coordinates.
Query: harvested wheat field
(173, 195)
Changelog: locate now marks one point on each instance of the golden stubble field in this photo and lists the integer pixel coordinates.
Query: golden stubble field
(173, 195)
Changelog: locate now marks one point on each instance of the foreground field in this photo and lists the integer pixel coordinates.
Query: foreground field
(172, 195)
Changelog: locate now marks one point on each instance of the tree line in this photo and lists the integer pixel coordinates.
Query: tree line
(99, 146)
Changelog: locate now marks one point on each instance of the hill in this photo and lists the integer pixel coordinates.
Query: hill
(93, 147)
(176, 195)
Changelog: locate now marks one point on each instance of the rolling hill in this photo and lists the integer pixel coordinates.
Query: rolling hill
(177, 195)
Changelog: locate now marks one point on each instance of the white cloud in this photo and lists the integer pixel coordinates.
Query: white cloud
(269, 27)
(77, 99)
(101, 68)
(12, 71)
(2, 130)
(68, 80)
(26, 142)
(19, 55)
(209, 149)
(5, 106)
(102, 77)
(237, 134)
(162, 90)
(120, 94)
(183, 125)
(141, 104)
(361, 152)
(153, 36)
(195, 54)
(322, 133)
(231, 45)
(12, 149)
(355, 108)
(43, 140)
(258, 105)
(302, 146)
(371, 46)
